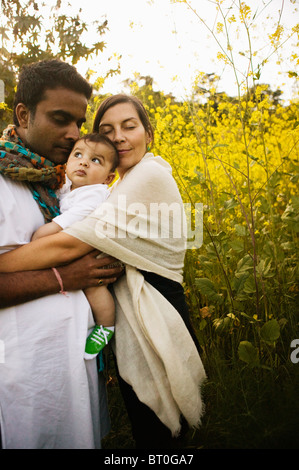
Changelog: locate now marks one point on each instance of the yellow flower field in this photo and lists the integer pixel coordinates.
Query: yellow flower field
(239, 157)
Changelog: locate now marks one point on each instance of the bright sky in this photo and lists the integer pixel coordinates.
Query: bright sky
(169, 42)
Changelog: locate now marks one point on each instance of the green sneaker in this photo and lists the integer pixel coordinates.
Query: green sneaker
(96, 341)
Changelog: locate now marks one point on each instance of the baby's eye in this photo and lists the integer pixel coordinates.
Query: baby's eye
(78, 154)
(96, 160)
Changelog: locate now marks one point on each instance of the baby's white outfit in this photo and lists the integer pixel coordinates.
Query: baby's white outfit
(77, 204)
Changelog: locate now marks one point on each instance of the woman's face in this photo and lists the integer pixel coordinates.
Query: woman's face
(122, 125)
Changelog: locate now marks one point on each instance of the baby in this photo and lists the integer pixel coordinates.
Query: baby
(89, 169)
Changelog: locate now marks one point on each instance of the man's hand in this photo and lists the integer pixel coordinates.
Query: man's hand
(20, 287)
(89, 270)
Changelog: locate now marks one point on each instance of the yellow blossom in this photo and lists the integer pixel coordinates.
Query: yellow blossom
(232, 19)
(219, 27)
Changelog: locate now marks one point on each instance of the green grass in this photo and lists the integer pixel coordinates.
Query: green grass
(120, 434)
(246, 408)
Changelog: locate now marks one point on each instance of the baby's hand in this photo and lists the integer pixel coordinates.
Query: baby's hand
(45, 230)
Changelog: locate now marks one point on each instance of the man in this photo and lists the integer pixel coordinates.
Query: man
(49, 396)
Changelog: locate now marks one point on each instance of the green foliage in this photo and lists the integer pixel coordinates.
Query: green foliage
(239, 157)
(248, 353)
(242, 283)
(31, 31)
(207, 288)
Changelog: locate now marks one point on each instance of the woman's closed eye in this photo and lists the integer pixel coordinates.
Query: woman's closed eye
(105, 130)
(109, 130)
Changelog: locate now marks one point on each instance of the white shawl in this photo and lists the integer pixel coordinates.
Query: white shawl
(155, 352)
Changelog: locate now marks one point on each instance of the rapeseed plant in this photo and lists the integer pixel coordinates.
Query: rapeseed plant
(238, 156)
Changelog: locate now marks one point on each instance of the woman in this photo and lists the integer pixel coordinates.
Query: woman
(143, 225)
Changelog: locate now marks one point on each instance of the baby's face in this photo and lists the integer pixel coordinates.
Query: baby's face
(90, 163)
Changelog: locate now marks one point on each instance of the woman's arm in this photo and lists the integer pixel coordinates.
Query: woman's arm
(43, 253)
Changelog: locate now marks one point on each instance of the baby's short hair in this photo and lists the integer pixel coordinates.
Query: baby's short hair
(102, 139)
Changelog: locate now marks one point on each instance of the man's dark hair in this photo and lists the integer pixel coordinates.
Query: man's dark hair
(35, 79)
(102, 139)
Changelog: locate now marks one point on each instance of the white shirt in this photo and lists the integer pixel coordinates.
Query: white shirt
(50, 397)
(77, 204)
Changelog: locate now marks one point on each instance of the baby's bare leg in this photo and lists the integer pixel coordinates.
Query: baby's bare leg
(102, 305)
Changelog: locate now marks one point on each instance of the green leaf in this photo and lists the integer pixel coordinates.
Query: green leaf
(264, 266)
(256, 159)
(220, 236)
(291, 217)
(241, 230)
(230, 204)
(251, 319)
(222, 325)
(210, 249)
(288, 246)
(264, 205)
(219, 145)
(245, 264)
(249, 285)
(207, 288)
(238, 282)
(270, 331)
(237, 245)
(248, 353)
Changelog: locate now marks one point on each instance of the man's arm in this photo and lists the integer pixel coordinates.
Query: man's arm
(20, 287)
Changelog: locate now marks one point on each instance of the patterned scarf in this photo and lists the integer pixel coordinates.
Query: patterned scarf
(42, 176)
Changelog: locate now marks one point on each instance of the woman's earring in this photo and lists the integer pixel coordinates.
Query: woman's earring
(148, 148)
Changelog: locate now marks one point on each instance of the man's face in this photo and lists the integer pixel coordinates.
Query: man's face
(52, 131)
